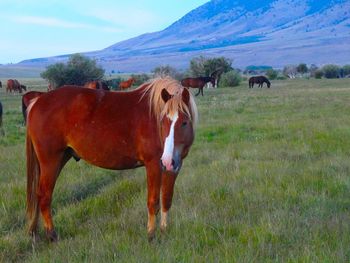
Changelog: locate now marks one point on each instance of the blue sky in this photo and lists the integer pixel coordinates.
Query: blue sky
(40, 28)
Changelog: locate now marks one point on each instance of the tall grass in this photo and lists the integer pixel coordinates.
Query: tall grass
(267, 180)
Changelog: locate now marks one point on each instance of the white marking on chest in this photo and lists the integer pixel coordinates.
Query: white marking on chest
(167, 156)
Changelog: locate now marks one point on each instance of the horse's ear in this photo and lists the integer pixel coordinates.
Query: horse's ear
(165, 95)
(186, 96)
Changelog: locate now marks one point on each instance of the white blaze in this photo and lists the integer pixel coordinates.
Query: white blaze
(167, 156)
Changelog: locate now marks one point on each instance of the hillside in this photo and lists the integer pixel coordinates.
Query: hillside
(269, 32)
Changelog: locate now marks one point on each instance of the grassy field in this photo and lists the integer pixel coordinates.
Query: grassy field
(267, 180)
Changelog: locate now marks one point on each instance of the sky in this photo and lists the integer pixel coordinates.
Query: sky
(42, 28)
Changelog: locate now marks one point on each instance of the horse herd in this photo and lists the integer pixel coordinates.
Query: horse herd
(152, 126)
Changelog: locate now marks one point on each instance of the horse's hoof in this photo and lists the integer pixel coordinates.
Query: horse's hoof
(151, 236)
(51, 235)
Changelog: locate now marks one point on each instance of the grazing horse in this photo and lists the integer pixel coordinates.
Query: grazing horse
(259, 80)
(26, 99)
(14, 85)
(198, 83)
(126, 84)
(96, 84)
(151, 126)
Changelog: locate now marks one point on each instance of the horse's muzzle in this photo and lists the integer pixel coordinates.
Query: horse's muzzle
(176, 164)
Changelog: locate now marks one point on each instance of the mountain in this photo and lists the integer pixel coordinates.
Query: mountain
(256, 32)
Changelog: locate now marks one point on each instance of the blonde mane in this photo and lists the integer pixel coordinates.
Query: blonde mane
(159, 108)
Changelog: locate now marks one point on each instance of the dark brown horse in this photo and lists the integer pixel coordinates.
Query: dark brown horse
(197, 83)
(126, 84)
(26, 99)
(259, 80)
(96, 84)
(151, 126)
(13, 86)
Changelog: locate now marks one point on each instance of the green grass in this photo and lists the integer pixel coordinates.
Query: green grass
(267, 180)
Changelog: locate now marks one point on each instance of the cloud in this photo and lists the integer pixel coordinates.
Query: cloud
(54, 22)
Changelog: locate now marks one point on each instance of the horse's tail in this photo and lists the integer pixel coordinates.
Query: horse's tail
(33, 175)
(24, 111)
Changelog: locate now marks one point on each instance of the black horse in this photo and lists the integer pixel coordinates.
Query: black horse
(0, 84)
(260, 81)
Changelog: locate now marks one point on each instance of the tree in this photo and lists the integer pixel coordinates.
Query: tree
(162, 71)
(302, 68)
(318, 74)
(346, 70)
(230, 79)
(290, 71)
(78, 70)
(313, 68)
(330, 71)
(201, 66)
(271, 73)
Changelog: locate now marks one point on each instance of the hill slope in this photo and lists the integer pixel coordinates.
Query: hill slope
(273, 32)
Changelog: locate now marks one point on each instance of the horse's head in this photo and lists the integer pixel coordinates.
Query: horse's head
(268, 83)
(177, 131)
(212, 81)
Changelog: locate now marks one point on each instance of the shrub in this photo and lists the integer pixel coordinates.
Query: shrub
(230, 79)
(330, 71)
(78, 70)
(140, 78)
(318, 74)
(271, 73)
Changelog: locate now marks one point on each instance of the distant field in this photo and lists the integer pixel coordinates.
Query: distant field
(267, 179)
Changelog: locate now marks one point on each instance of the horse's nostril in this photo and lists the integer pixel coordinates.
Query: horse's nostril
(173, 162)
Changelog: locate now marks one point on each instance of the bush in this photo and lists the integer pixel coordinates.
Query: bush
(318, 74)
(114, 83)
(330, 71)
(230, 79)
(163, 71)
(271, 73)
(140, 78)
(77, 71)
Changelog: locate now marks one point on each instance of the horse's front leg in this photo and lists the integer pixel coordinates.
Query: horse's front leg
(153, 187)
(168, 182)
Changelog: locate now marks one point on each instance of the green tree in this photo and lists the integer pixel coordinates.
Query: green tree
(302, 68)
(271, 73)
(162, 71)
(318, 74)
(78, 70)
(230, 79)
(346, 70)
(201, 66)
(330, 71)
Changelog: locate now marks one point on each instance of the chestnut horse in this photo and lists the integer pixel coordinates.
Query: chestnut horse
(26, 98)
(126, 84)
(152, 126)
(259, 80)
(96, 84)
(198, 83)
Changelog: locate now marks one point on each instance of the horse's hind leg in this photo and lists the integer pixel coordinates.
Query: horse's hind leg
(168, 182)
(199, 90)
(49, 172)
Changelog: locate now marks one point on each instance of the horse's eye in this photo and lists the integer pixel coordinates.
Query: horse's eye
(184, 124)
